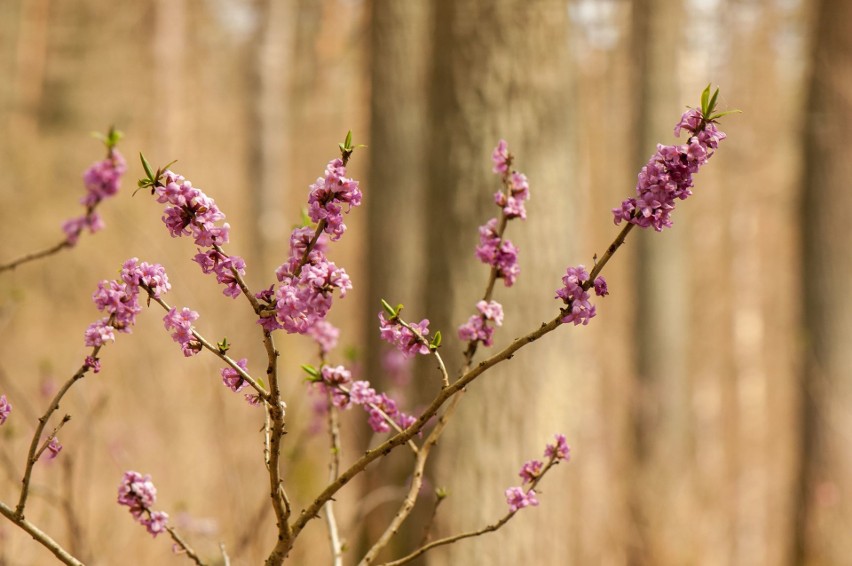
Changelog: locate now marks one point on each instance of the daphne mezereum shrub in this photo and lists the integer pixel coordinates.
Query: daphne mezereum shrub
(306, 286)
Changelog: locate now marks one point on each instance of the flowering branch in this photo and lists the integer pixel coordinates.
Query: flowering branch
(39, 536)
(102, 180)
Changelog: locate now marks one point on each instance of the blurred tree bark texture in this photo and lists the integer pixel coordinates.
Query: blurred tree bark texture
(500, 70)
(396, 238)
(825, 512)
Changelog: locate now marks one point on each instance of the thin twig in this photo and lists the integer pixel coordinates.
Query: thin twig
(34, 256)
(487, 529)
(445, 377)
(40, 536)
(184, 546)
(333, 471)
(400, 438)
(32, 458)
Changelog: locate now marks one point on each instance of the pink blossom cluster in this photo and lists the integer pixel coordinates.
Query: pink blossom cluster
(325, 335)
(667, 177)
(574, 293)
(120, 299)
(5, 408)
(493, 249)
(102, 180)
(344, 393)
(232, 378)
(305, 295)
(513, 202)
(404, 339)
(499, 253)
(53, 448)
(329, 195)
(224, 267)
(477, 327)
(138, 493)
(190, 212)
(520, 496)
(179, 324)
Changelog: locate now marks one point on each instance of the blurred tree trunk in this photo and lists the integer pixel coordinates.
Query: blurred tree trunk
(397, 149)
(270, 58)
(30, 68)
(824, 505)
(500, 71)
(662, 410)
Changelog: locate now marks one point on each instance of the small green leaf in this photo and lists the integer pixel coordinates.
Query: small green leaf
(436, 341)
(261, 382)
(348, 142)
(725, 113)
(223, 346)
(441, 493)
(389, 309)
(705, 98)
(311, 370)
(712, 105)
(147, 167)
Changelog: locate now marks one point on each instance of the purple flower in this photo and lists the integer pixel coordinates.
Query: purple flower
(93, 364)
(179, 323)
(518, 499)
(300, 302)
(99, 333)
(531, 470)
(404, 339)
(53, 448)
(191, 212)
(579, 309)
(476, 328)
(156, 522)
(601, 289)
(501, 158)
(499, 253)
(5, 409)
(152, 275)
(328, 196)
(224, 267)
(232, 378)
(253, 399)
(558, 451)
(102, 180)
(325, 335)
(361, 393)
(667, 177)
(138, 493)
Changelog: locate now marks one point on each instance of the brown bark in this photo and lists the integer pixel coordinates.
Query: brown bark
(824, 500)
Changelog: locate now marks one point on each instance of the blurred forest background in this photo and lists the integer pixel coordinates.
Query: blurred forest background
(709, 405)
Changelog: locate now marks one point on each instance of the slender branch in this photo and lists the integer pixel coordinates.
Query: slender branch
(226, 560)
(184, 546)
(32, 458)
(445, 378)
(214, 349)
(333, 471)
(51, 436)
(427, 530)
(487, 529)
(414, 489)
(40, 536)
(34, 256)
(400, 438)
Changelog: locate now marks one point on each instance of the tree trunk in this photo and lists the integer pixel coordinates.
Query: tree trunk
(824, 504)
(500, 71)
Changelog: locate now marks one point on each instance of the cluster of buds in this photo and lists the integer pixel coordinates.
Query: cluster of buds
(532, 471)
(138, 493)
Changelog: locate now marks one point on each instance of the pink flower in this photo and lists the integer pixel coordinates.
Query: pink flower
(99, 333)
(156, 523)
(579, 309)
(558, 451)
(518, 499)
(531, 470)
(5, 409)
(404, 339)
(476, 328)
(138, 493)
(93, 364)
(179, 322)
(499, 253)
(232, 378)
(501, 158)
(329, 195)
(667, 177)
(53, 448)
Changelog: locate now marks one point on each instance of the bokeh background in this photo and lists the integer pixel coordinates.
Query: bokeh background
(709, 405)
